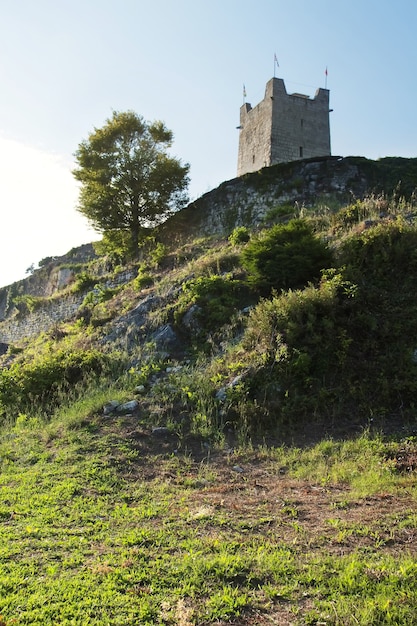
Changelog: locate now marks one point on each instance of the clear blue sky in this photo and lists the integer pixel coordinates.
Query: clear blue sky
(65, 65)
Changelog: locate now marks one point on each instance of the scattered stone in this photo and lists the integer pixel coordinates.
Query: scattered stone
(237, 379)
(172, 370)
(221, 395)
(237, 468)
(140, 389)
(110, 407)
(127, 407)
(3, 348)
(160, 431)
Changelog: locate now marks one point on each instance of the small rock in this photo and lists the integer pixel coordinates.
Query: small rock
(160, 431)
(110, 407)
(140, 389)
(173, 369)
(127, 407)
(221, 395)
(237, 468)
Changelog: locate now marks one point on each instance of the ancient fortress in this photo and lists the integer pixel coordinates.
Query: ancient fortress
(283, 127)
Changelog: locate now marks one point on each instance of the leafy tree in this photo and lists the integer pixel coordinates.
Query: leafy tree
(129, 182)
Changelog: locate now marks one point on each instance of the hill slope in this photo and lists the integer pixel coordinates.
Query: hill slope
(224, 432)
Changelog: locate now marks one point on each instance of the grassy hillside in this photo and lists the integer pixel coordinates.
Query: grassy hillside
(226, 438)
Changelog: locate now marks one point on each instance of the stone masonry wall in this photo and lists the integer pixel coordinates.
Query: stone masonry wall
(246, 200)
(283, 127)
(50, 312)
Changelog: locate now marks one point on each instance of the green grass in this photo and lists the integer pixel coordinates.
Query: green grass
(99, 527)
(103, 523)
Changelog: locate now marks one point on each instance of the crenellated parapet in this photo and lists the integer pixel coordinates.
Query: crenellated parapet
(282, 128)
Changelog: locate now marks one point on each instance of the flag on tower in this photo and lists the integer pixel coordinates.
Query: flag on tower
(276, 60)
(244, 91)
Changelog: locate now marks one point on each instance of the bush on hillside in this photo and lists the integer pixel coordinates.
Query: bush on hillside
(217, 298)
(286, 256)
(239, 235)
(38, 385)
(345, 349)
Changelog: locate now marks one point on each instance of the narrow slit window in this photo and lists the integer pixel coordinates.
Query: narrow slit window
(301, 152)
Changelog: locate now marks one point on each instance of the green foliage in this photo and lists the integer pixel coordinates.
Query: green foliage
(300, 349)
(128, 180)
(143, 279)
(158, 253)
(216, 296)
(28, 303)
(279, 212)
(153, 250)
(346, 346)
(46, 260)
(83, 281)
(385, 254)
(98, 295)
(39, 384)
(350, 215)
(287, 256)
(115, 245)
(239, 235)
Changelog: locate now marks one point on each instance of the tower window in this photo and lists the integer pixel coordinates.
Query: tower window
(301, 152)
(253, 158)
(302, 123)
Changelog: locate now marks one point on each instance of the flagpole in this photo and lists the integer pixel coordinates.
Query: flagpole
(325, 82)
(276, 64)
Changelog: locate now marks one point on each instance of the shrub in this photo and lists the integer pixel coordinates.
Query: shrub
(37, 386)
(28, 303)
(286, 256)
(240, 235)
(343, 349)
(83, 282)
(143, 279)
(158, 253)
(300, 346)
(99, 295)
(216, 296)
(46, 261)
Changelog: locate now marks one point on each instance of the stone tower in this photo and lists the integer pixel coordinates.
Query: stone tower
(283, 127)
